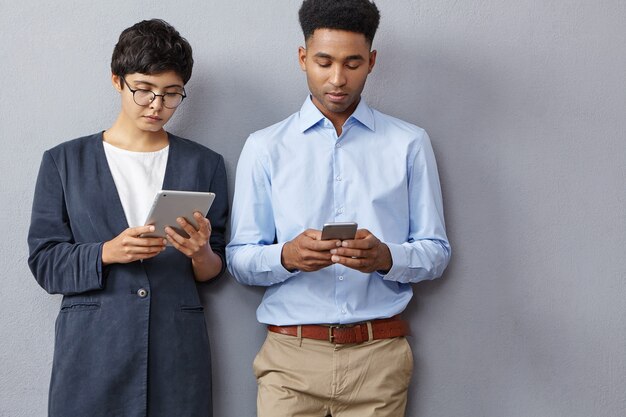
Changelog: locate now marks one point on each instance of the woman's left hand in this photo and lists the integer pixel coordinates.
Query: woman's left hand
(206, 263)
(197, 245)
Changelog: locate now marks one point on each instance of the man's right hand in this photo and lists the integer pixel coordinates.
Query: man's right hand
(307, 252)
(128, 246)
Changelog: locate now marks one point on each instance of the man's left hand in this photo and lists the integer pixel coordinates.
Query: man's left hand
(366, 253)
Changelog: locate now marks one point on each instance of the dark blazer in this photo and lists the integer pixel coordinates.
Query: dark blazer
(120, 351)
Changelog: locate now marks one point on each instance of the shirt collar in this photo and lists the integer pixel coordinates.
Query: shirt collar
(310, 115)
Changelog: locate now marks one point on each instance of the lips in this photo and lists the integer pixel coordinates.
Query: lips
(336, 95)
(153, 118)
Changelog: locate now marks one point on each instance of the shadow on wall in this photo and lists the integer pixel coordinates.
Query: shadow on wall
(455, 104)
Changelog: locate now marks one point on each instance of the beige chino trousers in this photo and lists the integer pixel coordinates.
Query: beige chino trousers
(300, 377)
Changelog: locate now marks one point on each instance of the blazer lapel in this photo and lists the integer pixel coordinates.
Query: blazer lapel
(108, 215)
(173, 168)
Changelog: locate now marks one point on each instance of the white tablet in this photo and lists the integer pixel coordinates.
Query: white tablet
(169, 205)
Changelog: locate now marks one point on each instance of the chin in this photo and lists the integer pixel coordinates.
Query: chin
(336, 108)
(151, 128)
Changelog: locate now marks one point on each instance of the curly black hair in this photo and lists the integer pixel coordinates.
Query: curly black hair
(360, 16)
(152, 47)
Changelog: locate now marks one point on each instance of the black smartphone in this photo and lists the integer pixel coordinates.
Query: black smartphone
(341, 231)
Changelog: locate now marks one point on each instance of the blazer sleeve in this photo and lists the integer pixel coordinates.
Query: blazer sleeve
(218, 213)
(60, 265)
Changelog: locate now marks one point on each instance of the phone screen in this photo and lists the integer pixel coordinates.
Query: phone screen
(341, 231)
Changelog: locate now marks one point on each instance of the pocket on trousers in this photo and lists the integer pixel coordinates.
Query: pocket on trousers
(257, 363)
(409, 360)
(409, 355)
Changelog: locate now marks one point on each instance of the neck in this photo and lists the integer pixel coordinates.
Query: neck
(337, 119)
(126, 137)
(338, 122)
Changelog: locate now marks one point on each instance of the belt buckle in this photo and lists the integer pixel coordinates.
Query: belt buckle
(331, 336)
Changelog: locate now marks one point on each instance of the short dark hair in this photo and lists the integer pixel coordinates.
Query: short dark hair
(152, 47)
(360, 16)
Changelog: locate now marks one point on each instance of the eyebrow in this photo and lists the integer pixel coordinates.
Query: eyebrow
(348, 58)
(154, 85)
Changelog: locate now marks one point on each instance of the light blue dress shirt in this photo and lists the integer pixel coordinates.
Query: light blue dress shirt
(298, 174)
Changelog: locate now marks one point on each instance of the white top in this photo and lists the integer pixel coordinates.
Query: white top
(138, 176)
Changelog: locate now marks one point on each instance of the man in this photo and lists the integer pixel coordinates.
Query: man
(335, 344)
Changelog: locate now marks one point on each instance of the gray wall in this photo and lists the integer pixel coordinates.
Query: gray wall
(525, 102)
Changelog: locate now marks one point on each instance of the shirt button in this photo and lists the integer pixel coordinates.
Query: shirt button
(343, 311)
(142, 293)
(338, 178)
(340, 210)
(340, 277)
(338, 145)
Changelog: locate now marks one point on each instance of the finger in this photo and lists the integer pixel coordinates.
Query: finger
(143, 256)
(187, 227)
(139, 230)
(322, 245)
(143, 241)
(354, 263)
(362, 234)
(314, 264)
(141, 250)
(204, 228)
(314, 256)
(180, 247)
(208, 224)
(173, 236)
(351, 253)
(313, 234)
(366, 243)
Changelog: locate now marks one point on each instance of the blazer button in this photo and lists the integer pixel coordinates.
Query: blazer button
(142, 293)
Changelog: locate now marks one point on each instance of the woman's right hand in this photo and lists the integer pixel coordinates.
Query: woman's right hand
(129, 247)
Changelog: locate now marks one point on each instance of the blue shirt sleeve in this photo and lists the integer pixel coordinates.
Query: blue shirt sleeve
(253, 257)
(427, 252)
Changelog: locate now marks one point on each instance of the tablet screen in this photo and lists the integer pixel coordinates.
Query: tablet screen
(168, 205)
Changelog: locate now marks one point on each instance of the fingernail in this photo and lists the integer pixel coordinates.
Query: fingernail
(164, 242)
(151, 228)
(338, 243)
(344, 244)
(333, 251)
(334, 258)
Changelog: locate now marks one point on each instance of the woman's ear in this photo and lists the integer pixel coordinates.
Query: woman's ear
(116, 80)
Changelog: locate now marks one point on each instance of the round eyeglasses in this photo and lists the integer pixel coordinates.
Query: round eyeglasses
(146, 97)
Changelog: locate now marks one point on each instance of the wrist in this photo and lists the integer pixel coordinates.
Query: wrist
(204, 256)
(386, 262)
(106, 259)
(285, 256)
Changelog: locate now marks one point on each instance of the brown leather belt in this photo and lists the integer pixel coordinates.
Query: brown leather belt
(349, 333)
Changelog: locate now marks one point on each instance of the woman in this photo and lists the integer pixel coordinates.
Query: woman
(130, 337)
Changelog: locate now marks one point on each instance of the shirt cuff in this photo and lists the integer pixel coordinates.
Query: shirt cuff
(279, 273)
(400, 262)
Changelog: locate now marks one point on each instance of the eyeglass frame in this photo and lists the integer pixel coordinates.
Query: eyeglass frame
(183, 95)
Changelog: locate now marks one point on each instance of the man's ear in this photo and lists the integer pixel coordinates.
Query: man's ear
(302, 57)
(372, 61)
